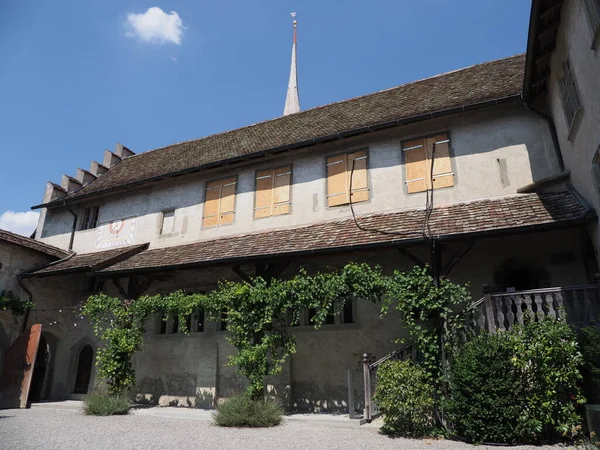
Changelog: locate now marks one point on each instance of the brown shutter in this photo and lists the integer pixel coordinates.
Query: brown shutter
(227, 204)
(442, 165)
(416, 165)
(210, 216)
(337, 189)
(281, 190)
(360, 187)
(264, 194)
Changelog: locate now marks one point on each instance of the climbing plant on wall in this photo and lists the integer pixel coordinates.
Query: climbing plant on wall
(259, 313)
(10, 302)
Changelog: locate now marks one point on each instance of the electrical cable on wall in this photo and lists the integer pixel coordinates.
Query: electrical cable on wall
(426, 229)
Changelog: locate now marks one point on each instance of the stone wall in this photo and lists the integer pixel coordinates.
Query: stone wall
(580, 143)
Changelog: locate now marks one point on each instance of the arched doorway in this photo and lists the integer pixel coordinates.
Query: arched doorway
(40, 368)
(84, 370)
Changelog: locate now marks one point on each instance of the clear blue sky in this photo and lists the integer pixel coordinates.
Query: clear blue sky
(72, 82)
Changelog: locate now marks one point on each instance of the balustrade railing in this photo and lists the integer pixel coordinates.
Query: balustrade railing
(580, 305)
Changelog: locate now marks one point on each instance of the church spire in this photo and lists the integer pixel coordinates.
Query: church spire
(292, 100)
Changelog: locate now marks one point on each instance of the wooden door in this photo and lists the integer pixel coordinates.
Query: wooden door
(17, 369)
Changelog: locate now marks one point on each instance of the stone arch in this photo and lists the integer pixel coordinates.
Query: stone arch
(82, 352)
(521, 274)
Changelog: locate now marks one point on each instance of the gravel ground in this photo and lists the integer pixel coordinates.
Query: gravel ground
(69, 429)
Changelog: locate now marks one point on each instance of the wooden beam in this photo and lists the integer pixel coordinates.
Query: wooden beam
(457, 257)
(240, 273)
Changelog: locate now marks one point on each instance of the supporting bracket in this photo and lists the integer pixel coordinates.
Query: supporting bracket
(457, 257)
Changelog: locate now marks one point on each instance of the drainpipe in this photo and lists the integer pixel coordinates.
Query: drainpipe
(30, 295)
(73, 227)
(547, 118)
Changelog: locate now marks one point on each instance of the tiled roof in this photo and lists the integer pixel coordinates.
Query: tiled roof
(506, 214)
(473, 85)
(89, 261)
(32, 244)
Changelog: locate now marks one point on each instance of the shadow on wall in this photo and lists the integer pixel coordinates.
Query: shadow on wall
(179, 390)
(326, 399)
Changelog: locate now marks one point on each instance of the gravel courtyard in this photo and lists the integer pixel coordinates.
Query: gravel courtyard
(47, 428)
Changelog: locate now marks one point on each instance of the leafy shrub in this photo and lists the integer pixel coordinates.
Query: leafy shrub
(589, 342)
(241, 411)
(521, 385)
(485, 393)
(100, 403)
(405, 397)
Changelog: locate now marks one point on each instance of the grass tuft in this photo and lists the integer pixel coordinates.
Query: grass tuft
(240, 411)
(103, 404)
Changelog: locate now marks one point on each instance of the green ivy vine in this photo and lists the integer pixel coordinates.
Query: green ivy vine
(260, 312)
(10, 302)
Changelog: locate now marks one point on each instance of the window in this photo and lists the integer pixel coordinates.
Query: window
(162, 325)
(167, 225)
(419, 155)
(90, 218)
(223, 322)
(339, 184)
(347, 312)
(569, 95)
(272, 196)
(219, 202)
(175, 324)
(593, 11)
(200, 321)
(596, 168)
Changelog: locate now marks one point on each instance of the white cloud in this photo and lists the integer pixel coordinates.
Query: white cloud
(174, 59)
(23, 223)
(155, 26)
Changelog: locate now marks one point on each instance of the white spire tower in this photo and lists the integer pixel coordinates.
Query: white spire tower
(292, 100)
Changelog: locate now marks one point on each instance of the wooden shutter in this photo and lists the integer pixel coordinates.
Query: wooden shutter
(416, 165)
(263, 199)
(227, 203)
(337, 189)
(281, 190)
(212, 195)
(442, 165)
(360, 187)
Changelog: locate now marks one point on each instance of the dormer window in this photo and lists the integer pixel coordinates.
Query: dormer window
(90, 218)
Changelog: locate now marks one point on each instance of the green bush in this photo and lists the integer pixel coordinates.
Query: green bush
(104, 404)
(241, 411)
(589, 342)
(520, 385)
(405, 397)
(485, 392)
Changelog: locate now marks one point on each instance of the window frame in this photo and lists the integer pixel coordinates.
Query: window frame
(451, 156)
(90, 217)
(368, 189)
(592, 11)
(235, 198)
(161, 222)
(563, 87)
(291, 191)
(596, 168)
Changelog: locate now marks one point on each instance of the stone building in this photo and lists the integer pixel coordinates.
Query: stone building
(349, 181)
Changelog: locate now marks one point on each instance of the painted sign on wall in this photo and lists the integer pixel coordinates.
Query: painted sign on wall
(116, 233)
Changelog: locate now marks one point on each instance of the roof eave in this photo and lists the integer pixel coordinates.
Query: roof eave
(287, 147)
(586, 217)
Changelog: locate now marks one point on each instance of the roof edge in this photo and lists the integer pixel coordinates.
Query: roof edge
(287, 147)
